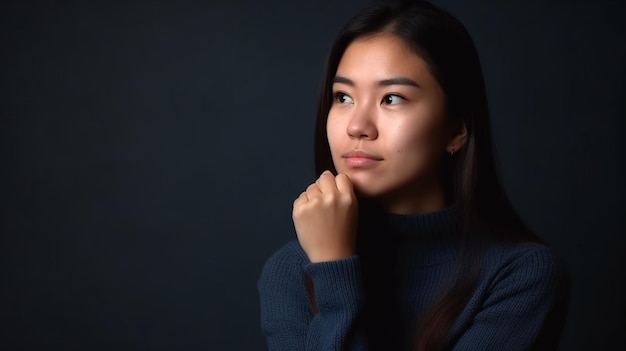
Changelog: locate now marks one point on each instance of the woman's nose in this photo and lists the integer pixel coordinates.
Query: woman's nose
(362, 124)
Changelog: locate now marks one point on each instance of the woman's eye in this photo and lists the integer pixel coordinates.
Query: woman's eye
(392, 99)
(343, 98)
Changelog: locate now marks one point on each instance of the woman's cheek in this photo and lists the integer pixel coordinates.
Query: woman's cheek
(334, 136)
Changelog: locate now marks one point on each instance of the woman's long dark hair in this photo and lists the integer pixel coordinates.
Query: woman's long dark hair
(471, 179)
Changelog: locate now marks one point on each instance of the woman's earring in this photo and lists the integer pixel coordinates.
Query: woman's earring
(452, 151)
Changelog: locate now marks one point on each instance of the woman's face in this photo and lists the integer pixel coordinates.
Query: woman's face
(386, 127)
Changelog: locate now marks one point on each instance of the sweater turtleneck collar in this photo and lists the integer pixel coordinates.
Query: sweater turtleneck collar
(436, 225)
(432, 236)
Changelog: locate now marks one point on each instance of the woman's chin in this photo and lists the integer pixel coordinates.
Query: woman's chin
(365, 183)
(364, 187)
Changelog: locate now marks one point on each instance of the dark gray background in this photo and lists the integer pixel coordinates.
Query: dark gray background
(151, 153)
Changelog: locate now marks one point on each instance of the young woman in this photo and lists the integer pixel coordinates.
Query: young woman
(407, 240)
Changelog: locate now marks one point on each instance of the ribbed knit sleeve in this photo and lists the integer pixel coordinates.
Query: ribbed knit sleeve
(517, 304)
(286, 319)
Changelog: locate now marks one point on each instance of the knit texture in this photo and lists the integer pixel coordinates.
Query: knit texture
(373, 300)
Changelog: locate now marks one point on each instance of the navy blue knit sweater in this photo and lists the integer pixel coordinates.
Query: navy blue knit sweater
(372, 301)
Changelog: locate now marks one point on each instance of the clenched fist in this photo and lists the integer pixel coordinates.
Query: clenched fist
(325, 218)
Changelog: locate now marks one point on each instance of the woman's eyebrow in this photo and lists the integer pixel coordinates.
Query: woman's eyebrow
(382, 83)
(398, 81)
(343, 80)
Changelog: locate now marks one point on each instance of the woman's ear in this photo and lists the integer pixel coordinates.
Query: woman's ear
(458, 138)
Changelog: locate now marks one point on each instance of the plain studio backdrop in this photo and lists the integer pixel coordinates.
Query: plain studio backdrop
(151, 152)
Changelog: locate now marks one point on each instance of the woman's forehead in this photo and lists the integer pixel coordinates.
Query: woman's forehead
(375, 59)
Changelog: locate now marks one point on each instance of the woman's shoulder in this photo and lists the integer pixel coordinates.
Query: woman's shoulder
(524, 260)
(510, 252)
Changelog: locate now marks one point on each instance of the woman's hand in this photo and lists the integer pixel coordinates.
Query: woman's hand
(325, 218)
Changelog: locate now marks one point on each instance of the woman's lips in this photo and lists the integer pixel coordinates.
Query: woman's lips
(360, 159)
